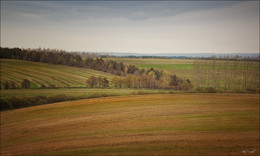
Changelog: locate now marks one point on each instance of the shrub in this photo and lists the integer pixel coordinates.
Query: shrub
(43, 86)
(96, 95)
(15, 102)
(52, 86)
(4, 105)
(251, 90)
(211, 90)
(12, 85)
(57, 98)
(20, 102)
(41, 100)
(199, 90)
(26, 83)
(187, 85)
(6, 85)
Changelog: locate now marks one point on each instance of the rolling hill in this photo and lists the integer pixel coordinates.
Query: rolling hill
(47, 74)
(176, 124)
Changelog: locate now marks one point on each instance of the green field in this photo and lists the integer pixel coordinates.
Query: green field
(43, 73)
(165, 64)
(161, 124)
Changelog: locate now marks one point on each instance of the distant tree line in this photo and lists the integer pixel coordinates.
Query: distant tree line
(70, 59)
(133, 77)
(149, 79)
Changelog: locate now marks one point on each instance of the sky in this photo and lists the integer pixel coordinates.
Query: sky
(132, 26)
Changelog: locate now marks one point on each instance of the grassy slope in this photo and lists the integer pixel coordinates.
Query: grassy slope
(147, 124)
(42, 73)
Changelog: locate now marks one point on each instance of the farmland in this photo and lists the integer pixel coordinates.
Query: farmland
(125, 121)
(221, 74)
(161, 124)
(129, 78)
(182, 67)
(43, 73)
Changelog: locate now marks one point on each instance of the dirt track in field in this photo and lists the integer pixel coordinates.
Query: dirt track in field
(143, 124)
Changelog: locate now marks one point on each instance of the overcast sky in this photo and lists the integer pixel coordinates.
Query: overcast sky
(132, 26)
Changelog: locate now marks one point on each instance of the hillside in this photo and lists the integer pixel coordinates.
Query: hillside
(202, 124)
(43, 73)
(233, 75)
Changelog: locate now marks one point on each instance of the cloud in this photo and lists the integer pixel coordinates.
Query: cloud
(131, 10)
(133, 26)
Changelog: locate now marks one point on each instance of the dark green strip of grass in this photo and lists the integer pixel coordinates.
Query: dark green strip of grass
(21, 102)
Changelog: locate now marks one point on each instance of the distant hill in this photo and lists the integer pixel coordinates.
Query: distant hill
(47, 74)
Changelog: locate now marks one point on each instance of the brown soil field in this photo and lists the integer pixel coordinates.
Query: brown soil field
(167, 124)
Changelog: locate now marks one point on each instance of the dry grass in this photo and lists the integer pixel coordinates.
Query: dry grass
(142, 124)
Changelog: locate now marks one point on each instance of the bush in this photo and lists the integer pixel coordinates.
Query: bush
(199, 90)
(211, 90)
(4, 105)
(13, 85)
(20, 102)
(96, 95)
(219, 90)
(52, 86)
(57, 98)
(15, 102)
(43, 86)
(6, 85)
(26, 83)
(251, 90)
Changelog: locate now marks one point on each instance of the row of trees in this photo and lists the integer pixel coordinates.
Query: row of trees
(12, 85)
(165, 81)
(227, 73)
(81, 60)
(148, 81)
(24, 84)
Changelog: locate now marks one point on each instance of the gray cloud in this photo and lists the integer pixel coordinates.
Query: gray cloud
(201, 26)
(131, 10)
